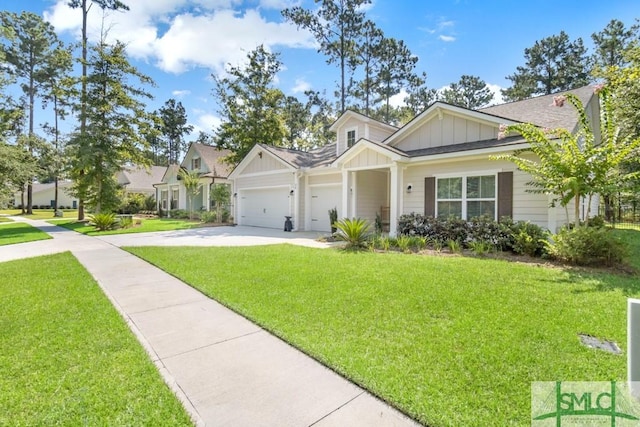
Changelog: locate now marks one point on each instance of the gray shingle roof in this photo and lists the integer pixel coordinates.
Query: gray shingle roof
(299, 159)
(213, 157)
(140, 177)
(540, 110)
(466, 146)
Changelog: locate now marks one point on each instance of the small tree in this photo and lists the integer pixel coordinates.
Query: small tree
(220, 194)
(571, 166)
(191, 181)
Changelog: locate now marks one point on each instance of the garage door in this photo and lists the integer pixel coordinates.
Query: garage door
(323, 199)
(265, 207)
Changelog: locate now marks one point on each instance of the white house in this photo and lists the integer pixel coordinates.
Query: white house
(437, 164)
(206, 159)
(44, 195)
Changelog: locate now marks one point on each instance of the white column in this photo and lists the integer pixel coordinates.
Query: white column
(394, 200)
(346, 191)
(354, 195)
(296, 201)
(307, 204)
(207, 196)
(633, 346)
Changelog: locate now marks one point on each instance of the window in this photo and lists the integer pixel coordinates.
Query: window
(351, 137)
(174, 199)
(467, 197)
(195, 164)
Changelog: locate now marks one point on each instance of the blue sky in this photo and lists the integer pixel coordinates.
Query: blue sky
(180, 43)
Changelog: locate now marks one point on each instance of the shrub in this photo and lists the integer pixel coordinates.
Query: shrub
(480, 247)
(528, 239)
(485, 229)
(132, 203)
(596, 221)
(208, 217)
(179, 214)
(404, 243)
(354, 232)
(226, 215)
(103, 221)
(333, 218)
(454, 246)
(126, 222)
(587, 246)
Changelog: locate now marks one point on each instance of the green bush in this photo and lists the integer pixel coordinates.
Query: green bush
(355, 232)
(103, 221)
(179, 214)
(587, 246)
(208, 217)
(528, 239)
(125, 222)
(132, 203)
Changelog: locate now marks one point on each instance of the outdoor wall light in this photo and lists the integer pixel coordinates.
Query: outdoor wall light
(409, 188)
(291, 193)
(260, 154)
(235, 194)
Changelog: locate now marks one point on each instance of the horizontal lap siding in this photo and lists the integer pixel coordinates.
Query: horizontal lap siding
(526, 206)
(285, 178)
(325, 179)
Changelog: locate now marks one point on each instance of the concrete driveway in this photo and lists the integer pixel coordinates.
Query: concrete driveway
(219, 236)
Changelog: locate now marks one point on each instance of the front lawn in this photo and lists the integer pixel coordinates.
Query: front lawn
(20, 232)
(43, 214)
(67, 356)
(148, 225)
(632, 238)
(449, 340)
(5, 219)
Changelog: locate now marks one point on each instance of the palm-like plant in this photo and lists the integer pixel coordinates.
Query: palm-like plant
(191, 181)
(355, 232)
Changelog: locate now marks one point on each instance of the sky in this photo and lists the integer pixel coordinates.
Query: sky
(181, 43)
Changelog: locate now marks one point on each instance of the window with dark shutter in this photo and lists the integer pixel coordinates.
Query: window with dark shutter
(505, 194)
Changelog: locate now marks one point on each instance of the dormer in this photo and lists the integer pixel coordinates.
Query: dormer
(352, 126)
(196, 164)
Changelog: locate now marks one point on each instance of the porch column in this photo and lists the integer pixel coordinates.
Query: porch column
(346, 191)
(296, 202)
(354, 195)
(394, 200)
(207, 195)
(307, 204)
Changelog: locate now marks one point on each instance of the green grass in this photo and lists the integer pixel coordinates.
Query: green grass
(632, 238)
(449, 340)
(68, 357)
(5, 219)
(20, 232)
(148, 225)
(43, 214)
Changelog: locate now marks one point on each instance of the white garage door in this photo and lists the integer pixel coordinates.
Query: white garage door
(323, 199)
(265, 207)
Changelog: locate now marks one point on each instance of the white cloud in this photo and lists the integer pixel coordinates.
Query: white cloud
(278, 4)
(181, 93)
(446, 39)
(161, 31)
(497, 94)
(397, 100)
(301, 86)
(205, 122)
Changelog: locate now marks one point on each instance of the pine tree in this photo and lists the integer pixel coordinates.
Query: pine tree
(469, 92)
(173, 128)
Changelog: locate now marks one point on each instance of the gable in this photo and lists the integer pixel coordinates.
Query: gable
(446, 128)
(188, 160)
(367, 158)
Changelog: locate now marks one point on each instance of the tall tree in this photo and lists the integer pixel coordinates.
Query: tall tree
(116, 125)
(367, 53)
(29, 54)
(335, 25)
(250, 107)
(469, 92)
(174, 127)
(552, 64)
(296, 117)
(322, 116)
(17, 166)
(611, 44)
(59, 91)
(84, 6)
(418, 98)
(396, 71)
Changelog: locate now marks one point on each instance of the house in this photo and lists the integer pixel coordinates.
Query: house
(140, 179)
(44, 195)
(437, 164)
(206, 159)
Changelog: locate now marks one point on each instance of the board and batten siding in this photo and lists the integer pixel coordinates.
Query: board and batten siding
(526, 206)
(372, 191)
(449, 130)
(378, 134)
(265, 164)
(368, 158)
(341, 133)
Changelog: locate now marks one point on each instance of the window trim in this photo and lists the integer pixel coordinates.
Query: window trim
(464, 199)
(355, 136)
(193, 163)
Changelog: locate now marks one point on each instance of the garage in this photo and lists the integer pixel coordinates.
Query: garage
(324, 198)
(264, 207)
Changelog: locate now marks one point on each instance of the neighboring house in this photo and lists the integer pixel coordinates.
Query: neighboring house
(437, 164)
(208, 160)
(140, 179)
(44, 195)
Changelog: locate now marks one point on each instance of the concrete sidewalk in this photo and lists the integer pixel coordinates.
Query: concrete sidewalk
(226, 370)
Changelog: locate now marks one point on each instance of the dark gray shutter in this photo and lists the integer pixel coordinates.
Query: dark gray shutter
(505, 194)
(430, 196)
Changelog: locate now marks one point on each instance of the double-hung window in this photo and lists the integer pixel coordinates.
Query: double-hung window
(466, 196)
(351, 137)
(195, 164)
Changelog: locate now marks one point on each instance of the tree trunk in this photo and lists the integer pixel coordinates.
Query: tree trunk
(83, 96)
(576, 210)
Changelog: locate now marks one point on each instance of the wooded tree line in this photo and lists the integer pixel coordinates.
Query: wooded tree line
(113, 126)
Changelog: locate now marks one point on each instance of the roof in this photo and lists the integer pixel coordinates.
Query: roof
(538, 112)
(466, 146)
(351, 113)
(141, 177)
(214, 157)
(37, 187)
(317, 157)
